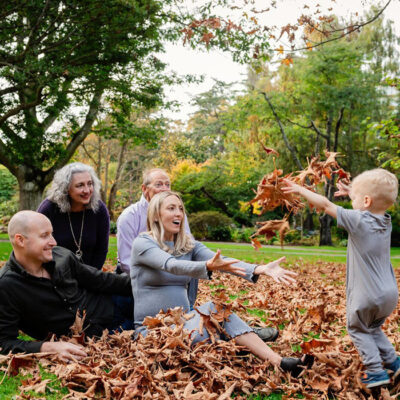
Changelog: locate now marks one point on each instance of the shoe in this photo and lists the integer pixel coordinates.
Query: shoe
(393, 369)
(267, 334)
(296, 366)
(371, 379)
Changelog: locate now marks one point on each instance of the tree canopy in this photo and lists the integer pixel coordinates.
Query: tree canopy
(66, 63)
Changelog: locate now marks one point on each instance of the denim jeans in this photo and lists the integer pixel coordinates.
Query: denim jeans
(123, 314)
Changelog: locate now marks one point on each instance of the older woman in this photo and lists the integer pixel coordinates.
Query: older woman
(165, 258)
(80, 220)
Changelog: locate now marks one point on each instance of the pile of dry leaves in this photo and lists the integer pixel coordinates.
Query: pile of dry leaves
(269, 194)
(165, 366)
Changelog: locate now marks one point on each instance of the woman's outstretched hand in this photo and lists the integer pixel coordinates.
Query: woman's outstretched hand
(219, 264)
(276, 272)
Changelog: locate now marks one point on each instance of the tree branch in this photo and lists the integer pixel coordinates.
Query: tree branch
(297, 124)
(35, 28)
(10, 132)
(318, 131)
(88, 154)
(21, 107)
(80, 135)
(285, 139)
(49, 120)
(350, 29)
(337, 128)
(8, 90)
(6, 159)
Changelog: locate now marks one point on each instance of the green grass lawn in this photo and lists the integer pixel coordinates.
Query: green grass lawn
(245, 252)
(292, 253)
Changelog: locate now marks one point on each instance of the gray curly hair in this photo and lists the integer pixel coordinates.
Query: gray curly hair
(58, 192)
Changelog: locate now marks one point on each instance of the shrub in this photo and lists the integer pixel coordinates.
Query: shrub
(211, 225)
(292, 236)
(395, 214)
(241, 234)
(113, 227)
(7, 210)
(8, 185)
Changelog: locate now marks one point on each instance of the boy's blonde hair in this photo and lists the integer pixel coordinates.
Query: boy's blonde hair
(183, 242)
(378, 183)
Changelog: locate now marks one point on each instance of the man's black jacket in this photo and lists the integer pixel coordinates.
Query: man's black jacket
(40, 307)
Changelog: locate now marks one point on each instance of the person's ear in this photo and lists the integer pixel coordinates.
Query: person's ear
(367, 201)
(19, 240)
(145, 191)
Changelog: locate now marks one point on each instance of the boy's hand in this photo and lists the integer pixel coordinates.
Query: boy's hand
(344, 190)
(291, 187)
(276, 272)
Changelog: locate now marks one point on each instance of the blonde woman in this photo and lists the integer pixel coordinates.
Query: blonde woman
(165, 258)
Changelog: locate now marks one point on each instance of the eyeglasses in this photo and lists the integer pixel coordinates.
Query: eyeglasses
(159, 185)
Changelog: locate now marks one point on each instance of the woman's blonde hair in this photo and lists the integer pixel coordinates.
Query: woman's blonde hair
(183, 242)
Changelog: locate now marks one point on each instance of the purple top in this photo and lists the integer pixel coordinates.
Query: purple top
(96, 230)
(131, 222)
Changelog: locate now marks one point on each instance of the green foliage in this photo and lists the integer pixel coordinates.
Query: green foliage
(7, 210)
(113, 227)
(66, 61)
(241, 234)
(394, 212)
(8, 185)
(388, 131)
(211, 225)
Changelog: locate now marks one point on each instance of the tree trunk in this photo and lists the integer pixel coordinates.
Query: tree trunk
(30, 194)
(325, 237)
(308, 222)
(114, 187)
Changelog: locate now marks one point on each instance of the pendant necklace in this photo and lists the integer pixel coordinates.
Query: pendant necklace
(78, 252)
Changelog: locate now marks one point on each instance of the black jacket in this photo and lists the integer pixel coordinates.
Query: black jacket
(41, 307)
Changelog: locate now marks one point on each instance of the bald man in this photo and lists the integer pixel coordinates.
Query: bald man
(42, 286)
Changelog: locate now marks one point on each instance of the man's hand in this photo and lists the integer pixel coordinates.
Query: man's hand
(66, 351)
(276, 272)
(219, 264)
(344, 190)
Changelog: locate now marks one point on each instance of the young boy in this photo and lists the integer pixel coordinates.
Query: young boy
(371, 287)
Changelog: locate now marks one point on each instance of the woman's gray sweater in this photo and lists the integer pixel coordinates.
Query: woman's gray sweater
(159, 280)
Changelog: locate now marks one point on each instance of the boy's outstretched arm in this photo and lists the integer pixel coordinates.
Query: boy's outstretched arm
(315, 199)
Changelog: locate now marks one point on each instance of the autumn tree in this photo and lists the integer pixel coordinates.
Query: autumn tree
(59, 60)
(114, 139)
(323, 99)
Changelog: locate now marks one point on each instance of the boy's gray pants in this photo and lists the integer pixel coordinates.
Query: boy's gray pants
(365, 329)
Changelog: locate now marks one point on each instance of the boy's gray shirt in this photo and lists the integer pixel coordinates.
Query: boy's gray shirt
(370, 281)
